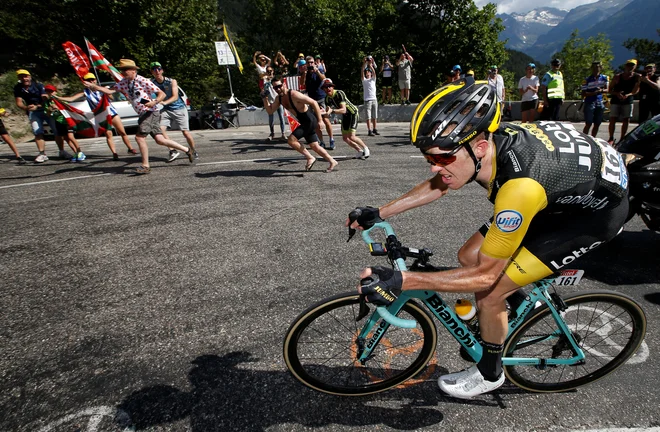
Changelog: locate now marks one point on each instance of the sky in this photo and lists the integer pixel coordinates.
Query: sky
(509, 6)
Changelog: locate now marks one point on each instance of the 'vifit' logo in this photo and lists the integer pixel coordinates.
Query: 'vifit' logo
(508, 220)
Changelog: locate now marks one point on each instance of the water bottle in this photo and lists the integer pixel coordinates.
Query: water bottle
(468, 314)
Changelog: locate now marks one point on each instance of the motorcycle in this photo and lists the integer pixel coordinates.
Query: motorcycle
(643, 146)
(213, 118)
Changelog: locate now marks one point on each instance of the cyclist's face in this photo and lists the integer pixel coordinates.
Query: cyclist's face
(457, 169)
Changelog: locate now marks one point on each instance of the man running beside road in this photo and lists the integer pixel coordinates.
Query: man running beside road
(138, 91)
(338, 103)
(552, 203)
(308, 114)
(174, 113)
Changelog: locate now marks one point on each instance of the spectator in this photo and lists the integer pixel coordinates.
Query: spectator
(138, 90)
(271, 94)
(320, 64)
(313, 80)
(174, 114)
(93, 99)
(528, 86)
(649, 93)
(8, 139)
(592, 92)
(260, 62)
(455, 74)
(62, 131)
(301, 70)
(386, 69)
(308, 114)
(30, 96)
(369, 91)
(470, 73)
(405, 68)
(622, 89)
(337, 101)
(281, 63)
(496, 81)
(552, 91)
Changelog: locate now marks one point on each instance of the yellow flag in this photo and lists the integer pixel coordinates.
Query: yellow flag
(232, 47)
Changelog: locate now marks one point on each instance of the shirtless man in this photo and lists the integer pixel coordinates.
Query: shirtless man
(308, 114)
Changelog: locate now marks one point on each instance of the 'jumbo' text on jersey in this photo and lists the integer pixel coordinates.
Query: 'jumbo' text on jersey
(551, 168)
(338, 99)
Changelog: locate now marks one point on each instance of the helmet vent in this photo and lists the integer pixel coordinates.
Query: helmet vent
(483, 91)
(449, 129)
(452, 107)
(468, 127)
(469, 107)
(483, 110)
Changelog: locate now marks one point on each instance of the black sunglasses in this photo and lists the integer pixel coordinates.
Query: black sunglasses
(279, 86)
(156, 68)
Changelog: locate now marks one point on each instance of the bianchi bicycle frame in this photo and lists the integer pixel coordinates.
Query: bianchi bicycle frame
(455, 326)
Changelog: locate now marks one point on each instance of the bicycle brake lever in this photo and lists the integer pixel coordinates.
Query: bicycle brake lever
(352, 217)
(364, 309)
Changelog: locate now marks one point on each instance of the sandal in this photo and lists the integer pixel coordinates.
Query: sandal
(132, 151)
(308, 167)
(143, 170)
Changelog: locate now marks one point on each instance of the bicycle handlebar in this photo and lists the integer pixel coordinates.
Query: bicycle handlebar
(395, 321)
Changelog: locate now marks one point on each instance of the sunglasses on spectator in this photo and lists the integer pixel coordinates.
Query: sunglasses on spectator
(277, 87)
(90, 79)
(442, 159)
(157, 68)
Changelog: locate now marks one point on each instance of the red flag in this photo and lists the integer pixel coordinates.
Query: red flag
(93, 123)
(77, 58)
(293, 123)
(100, 62)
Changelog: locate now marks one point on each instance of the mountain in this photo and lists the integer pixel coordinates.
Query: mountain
(523, 29)
(638, 19)
(583, 18)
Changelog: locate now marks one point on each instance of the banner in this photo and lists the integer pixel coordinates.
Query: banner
(81, 121)
(77, 58)
(101, 63)
(232, 47)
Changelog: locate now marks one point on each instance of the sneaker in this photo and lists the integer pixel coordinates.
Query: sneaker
(370, 133)
(366, 152)
(359, 155)
(191, 155)
(376, 132)
(41, 158)
(173, 155)
(143, 170)
(74, 158)
(408, 102)
(64, 155)
(468, 383)
(115, 156)
(332, 144)
(322, 144)
(132, 151)
(81, 156)
(196, 155)
(21, 161)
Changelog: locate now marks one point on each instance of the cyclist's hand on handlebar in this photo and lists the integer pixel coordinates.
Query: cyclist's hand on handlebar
(380, 285)
(363, 217)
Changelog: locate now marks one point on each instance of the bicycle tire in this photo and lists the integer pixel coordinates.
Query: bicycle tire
(333, 369)
(601, 311)
(573, 112)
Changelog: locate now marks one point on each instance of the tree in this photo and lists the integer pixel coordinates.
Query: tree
(646, 50)
(577, 56)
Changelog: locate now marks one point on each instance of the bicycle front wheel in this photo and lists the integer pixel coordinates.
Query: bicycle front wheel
(321, 349)
(607, 326)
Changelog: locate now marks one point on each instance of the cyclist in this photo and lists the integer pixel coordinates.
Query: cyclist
(557, 194)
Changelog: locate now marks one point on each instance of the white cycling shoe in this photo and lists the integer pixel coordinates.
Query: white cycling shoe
(468, 383)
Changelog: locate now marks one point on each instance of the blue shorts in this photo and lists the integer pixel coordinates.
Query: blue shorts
(37, 120)
(593, 112)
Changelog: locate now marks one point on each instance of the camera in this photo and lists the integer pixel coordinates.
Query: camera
(309, 68)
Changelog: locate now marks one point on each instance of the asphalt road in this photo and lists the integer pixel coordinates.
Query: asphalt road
(160, 302)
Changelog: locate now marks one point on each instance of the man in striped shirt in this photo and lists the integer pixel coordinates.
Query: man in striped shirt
(337, 102)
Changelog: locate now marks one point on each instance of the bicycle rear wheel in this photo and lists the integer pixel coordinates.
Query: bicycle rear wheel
(608, 327)
(573, 112)
(320, 348)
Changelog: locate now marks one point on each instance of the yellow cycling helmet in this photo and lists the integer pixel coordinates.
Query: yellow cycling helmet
(454, 114)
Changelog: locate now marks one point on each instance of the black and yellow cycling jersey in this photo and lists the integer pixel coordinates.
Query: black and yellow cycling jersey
(556, 192)
(338, 99)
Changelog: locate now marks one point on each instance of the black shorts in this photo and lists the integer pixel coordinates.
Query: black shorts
(61, 129)
(529, 105)
(349, 122)
(3, 130)
(307, 130)
(554, 241)
(386, 82)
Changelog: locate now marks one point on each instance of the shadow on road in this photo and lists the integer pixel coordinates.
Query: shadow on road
(225, 397)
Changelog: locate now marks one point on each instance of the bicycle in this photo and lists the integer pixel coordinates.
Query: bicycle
(575, 111)
(554, 343)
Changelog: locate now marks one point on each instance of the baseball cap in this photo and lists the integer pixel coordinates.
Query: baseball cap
(456, 67)
(50, 87)
(469, 73)
(22, 72)
(327, 83)
(89, 76)
(596, 63)
(532, 65)
(493, 67)
(650, 65)
(155, 64)
(555, 61)
(301, 55)
(632, 62)
(317, 57)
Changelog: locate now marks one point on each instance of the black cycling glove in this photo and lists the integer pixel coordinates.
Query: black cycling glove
(368, 216)
(383, 286)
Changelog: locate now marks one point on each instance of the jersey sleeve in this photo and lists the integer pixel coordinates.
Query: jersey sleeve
(516, 204)
(342, 97)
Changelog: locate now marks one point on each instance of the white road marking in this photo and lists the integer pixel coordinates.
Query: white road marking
(53, 181)
(96, 415)
(280, 159)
